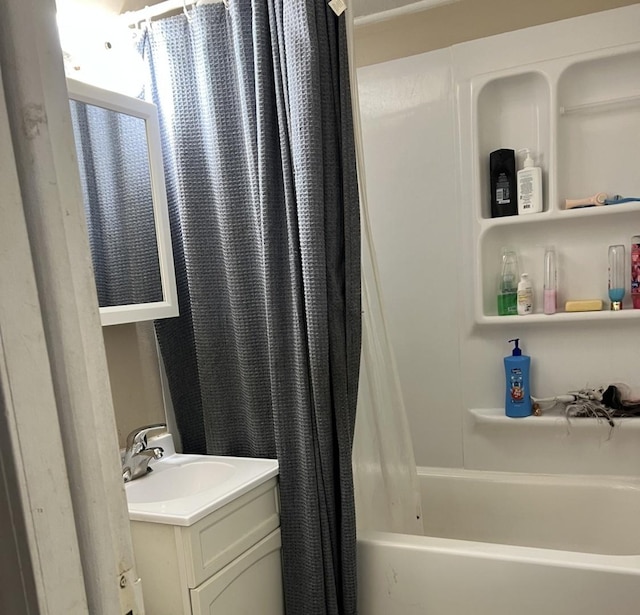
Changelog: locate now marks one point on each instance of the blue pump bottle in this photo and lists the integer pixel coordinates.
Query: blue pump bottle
(518, 396)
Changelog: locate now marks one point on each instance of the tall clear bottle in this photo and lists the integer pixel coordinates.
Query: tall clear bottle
(508, 284)
(550, 281)
(617, 280)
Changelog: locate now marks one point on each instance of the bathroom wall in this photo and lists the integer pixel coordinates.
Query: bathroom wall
(134, 375)
(420, 219)
(464, 20)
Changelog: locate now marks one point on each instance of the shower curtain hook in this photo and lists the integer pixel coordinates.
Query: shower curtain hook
(185, 10)
(147, 17)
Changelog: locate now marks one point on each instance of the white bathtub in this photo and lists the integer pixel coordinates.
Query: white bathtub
(498, 543)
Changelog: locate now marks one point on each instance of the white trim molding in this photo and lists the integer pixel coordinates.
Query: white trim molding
(407, 9)
(53, 340)
(31, 454)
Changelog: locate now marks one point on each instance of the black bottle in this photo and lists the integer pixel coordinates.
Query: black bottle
(502, 169)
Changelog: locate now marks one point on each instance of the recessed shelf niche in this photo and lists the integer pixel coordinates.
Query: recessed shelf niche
(599, 128)
(513, 112)
(581, 245)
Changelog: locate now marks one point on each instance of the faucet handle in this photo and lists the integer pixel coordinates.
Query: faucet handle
(138, 437)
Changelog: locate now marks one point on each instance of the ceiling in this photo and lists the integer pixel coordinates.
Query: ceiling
(84, 47)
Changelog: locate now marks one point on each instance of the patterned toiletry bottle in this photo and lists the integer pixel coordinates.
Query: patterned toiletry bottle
(518, 396)
(635, 271)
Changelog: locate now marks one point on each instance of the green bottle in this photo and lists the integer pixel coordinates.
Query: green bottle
(508, 285)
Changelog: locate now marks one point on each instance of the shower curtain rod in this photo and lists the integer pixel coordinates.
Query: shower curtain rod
(135, 18)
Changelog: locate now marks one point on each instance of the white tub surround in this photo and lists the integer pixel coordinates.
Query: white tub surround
(583, 514)
(429, 123)
(500, 543)
(550, 444)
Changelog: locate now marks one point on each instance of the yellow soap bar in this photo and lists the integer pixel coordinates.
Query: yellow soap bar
(583, 305)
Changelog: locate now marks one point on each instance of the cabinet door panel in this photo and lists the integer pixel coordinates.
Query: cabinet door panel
(219, 538)
(250, 584)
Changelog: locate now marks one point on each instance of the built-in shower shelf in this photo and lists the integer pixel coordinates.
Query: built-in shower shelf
(495, 417)
(604, 315)
(549, 444)
(601, 105)
(580, 118)
(573, 215)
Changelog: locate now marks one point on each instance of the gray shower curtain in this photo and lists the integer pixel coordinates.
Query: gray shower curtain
(258, 146)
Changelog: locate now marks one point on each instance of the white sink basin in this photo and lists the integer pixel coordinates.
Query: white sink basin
(182, 489)
(179, 481)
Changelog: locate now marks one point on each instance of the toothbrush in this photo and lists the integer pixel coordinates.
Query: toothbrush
(617, 199)
(598, 199)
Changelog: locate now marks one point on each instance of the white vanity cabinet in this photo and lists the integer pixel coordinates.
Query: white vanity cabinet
(225, 563)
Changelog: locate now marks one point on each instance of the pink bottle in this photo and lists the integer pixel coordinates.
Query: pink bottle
(635, 271)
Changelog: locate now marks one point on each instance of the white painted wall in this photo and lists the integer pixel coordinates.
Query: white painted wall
(422, 215)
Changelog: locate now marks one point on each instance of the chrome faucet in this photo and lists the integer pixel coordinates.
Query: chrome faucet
(136, 455)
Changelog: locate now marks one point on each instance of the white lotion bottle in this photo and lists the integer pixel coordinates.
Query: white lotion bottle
(529, 180)
(525, 295)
